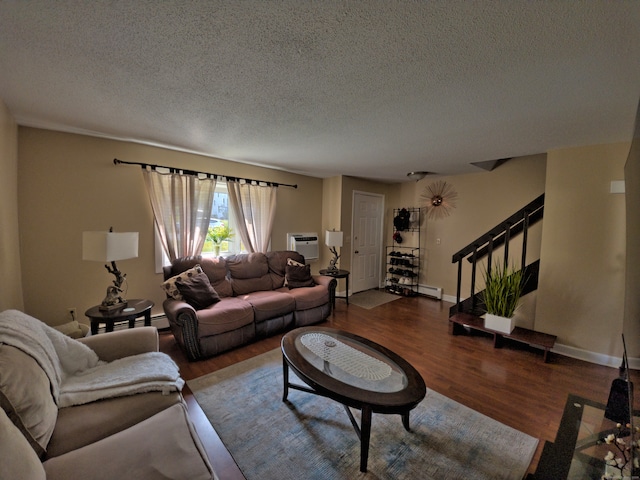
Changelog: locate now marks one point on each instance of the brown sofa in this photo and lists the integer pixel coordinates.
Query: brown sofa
(258, 295)
(139, 436)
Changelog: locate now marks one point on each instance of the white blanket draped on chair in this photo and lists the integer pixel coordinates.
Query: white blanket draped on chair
(75, 372)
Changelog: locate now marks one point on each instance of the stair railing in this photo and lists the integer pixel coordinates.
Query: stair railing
(483, 246)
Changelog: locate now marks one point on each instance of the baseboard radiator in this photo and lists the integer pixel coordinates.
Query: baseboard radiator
(429, 291)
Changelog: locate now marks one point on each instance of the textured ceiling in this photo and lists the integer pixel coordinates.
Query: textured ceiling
(366, 88)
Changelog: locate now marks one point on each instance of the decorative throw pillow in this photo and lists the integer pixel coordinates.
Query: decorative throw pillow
(291, 261)
(197, 291)
(169, 285)
(298, 276)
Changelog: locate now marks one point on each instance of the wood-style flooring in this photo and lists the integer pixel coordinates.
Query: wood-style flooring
(511, 385)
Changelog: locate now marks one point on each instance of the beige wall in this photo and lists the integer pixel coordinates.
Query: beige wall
(331, 220)
(68, 184)
(10, 272)
(349, 186)
(632, 298)
(582, 272)
(484, 200)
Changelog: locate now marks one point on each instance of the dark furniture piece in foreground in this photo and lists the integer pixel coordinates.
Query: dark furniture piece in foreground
(338, 274)
(355, 372)
(578, 450)
(134, 309)
(459, 321)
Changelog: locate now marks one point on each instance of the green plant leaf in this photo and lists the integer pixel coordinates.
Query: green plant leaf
(503, 289)
(219, 234)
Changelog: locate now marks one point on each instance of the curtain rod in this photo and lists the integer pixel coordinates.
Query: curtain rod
(194, 172)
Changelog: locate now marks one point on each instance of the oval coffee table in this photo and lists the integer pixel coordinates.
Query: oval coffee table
(353, 371)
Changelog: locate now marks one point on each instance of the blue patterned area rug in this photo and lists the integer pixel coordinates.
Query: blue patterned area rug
(311, 437)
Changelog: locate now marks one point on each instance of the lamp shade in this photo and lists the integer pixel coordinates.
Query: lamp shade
(333, 239)
(109, 246)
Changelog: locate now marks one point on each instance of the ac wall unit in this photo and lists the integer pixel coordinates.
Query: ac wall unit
(306, 244)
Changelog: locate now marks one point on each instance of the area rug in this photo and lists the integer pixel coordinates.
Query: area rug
(372, 298)
(311, 437)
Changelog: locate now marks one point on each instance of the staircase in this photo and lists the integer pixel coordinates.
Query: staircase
(466, 313)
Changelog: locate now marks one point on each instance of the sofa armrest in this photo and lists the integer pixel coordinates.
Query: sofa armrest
(183, 321)
(123, 343)
(331, 283)
(324, 280)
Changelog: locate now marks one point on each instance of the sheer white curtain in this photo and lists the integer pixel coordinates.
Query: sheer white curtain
(182, 208)
(254, 208)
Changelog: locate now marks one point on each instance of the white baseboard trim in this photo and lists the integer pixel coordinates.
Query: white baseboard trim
(593, 357)
(340, 293)
(449, 298)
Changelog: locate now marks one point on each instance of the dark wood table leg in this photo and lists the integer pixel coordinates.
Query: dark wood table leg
(95, 324)
(132, 322)
(147, 318)
(346, 295)
(109, 326)
(285, 376)
(455, 328)
(365, 436)
(405, 421)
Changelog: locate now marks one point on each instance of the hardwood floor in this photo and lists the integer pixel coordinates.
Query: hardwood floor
(511, 385)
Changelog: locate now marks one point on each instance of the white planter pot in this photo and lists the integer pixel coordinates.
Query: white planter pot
(499, 324)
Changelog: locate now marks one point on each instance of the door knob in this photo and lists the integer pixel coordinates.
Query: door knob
(356, 251)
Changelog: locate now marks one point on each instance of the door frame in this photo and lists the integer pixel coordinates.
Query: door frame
(354, 193)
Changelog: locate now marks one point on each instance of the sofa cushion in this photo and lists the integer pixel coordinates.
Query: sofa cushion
(197, 291)
(162, 446)
(310, 297)
(249, 272)
(81, 425)
(267, 305)
(216, 270)
(228, 314)
(298, 276)
(277, 262)
(18, 458)
(25, 395)
(170, 286)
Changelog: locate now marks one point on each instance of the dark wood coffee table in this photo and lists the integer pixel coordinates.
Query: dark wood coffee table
(355, 372)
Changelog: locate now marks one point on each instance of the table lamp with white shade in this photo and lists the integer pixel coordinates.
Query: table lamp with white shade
(109, 247)
(333, 239)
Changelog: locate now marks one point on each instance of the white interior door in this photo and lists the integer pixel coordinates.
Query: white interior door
(366, 231)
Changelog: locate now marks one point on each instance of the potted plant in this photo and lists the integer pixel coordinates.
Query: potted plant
(503, 289)
(218, 234)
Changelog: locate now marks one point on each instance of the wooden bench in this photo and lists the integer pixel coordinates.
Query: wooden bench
(459, 321)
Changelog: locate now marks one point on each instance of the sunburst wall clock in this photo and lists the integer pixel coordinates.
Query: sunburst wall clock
(439, 198)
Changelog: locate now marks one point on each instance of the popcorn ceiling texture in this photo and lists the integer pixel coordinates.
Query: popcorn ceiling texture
(365, 88)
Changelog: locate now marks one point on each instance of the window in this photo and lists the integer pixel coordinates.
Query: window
(220, 219)
(220, 215)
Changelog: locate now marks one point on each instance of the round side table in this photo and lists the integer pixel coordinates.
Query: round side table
(338, 274)
(135, 308)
